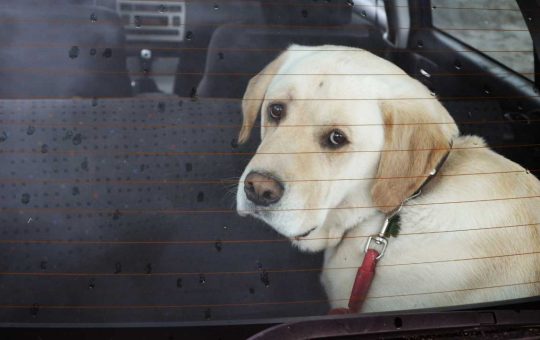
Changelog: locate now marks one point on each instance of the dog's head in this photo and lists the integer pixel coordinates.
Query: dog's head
(339, 127)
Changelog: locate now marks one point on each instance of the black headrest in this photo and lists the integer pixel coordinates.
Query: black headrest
(233, 59)
(61, 51)
(307, 12)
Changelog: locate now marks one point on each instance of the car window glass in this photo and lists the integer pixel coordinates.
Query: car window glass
(496, 28)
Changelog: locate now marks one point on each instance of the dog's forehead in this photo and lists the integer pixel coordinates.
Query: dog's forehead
(340, 61)
(322, 92)
(335, 74)
(314, 72)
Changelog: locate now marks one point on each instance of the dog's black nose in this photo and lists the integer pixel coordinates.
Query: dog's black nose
(262, 189)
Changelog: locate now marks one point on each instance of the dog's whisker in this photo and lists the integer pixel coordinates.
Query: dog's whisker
(230, 195)
(231, 186)
(231, 192)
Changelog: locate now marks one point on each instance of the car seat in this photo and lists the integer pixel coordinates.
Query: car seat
(72, 50)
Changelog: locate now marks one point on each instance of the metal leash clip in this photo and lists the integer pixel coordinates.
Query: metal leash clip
(380, 238)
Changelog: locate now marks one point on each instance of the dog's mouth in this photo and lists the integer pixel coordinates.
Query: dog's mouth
(298, 237)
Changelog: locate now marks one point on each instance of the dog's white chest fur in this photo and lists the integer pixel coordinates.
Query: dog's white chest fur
(436, 261)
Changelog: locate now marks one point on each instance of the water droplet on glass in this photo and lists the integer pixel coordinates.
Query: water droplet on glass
(304, 13)
(179, 282)
(432, 92)
(25, 198)
(93, 51)
(527, 171)
(487, 90)
(200, 196)
(350, 3)
(68, 135)
(91, 284)
(84, 164)
(457, 65)
(3, 136)
(189, 35)
(30, 130)
(207, 314)
(148, 268)
(117, 268)
(234, 143)
(363, 13)
(193, 94)
(202, 279)
(433, 7)
(529, 18)
(216, 7)
(161, 107)
(107, 53)
(218, 245)
(259, 265)
(265, 278)
(77, 139)
(162, 8)
(93, 17)
(74, 52)
(75, 191)
(420, 44)
(225, 227)
(43, 265)
(44, 148)
(94, 102)
(138, 21)
(116, 214)
(34, 310)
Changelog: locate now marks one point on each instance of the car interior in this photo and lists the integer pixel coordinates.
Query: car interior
(118, 144)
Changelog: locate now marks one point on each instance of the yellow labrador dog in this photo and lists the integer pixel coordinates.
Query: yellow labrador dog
(346, 138)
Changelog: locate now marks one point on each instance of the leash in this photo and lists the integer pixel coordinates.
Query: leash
(366, 271)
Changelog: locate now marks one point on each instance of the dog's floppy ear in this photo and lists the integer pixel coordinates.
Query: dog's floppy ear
(254, 95)
(407, 127)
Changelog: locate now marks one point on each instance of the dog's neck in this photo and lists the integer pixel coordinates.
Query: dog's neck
(372, 219)
(392, 224)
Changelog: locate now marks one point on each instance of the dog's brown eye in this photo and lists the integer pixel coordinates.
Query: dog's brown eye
(276, 111)
(336, 138)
